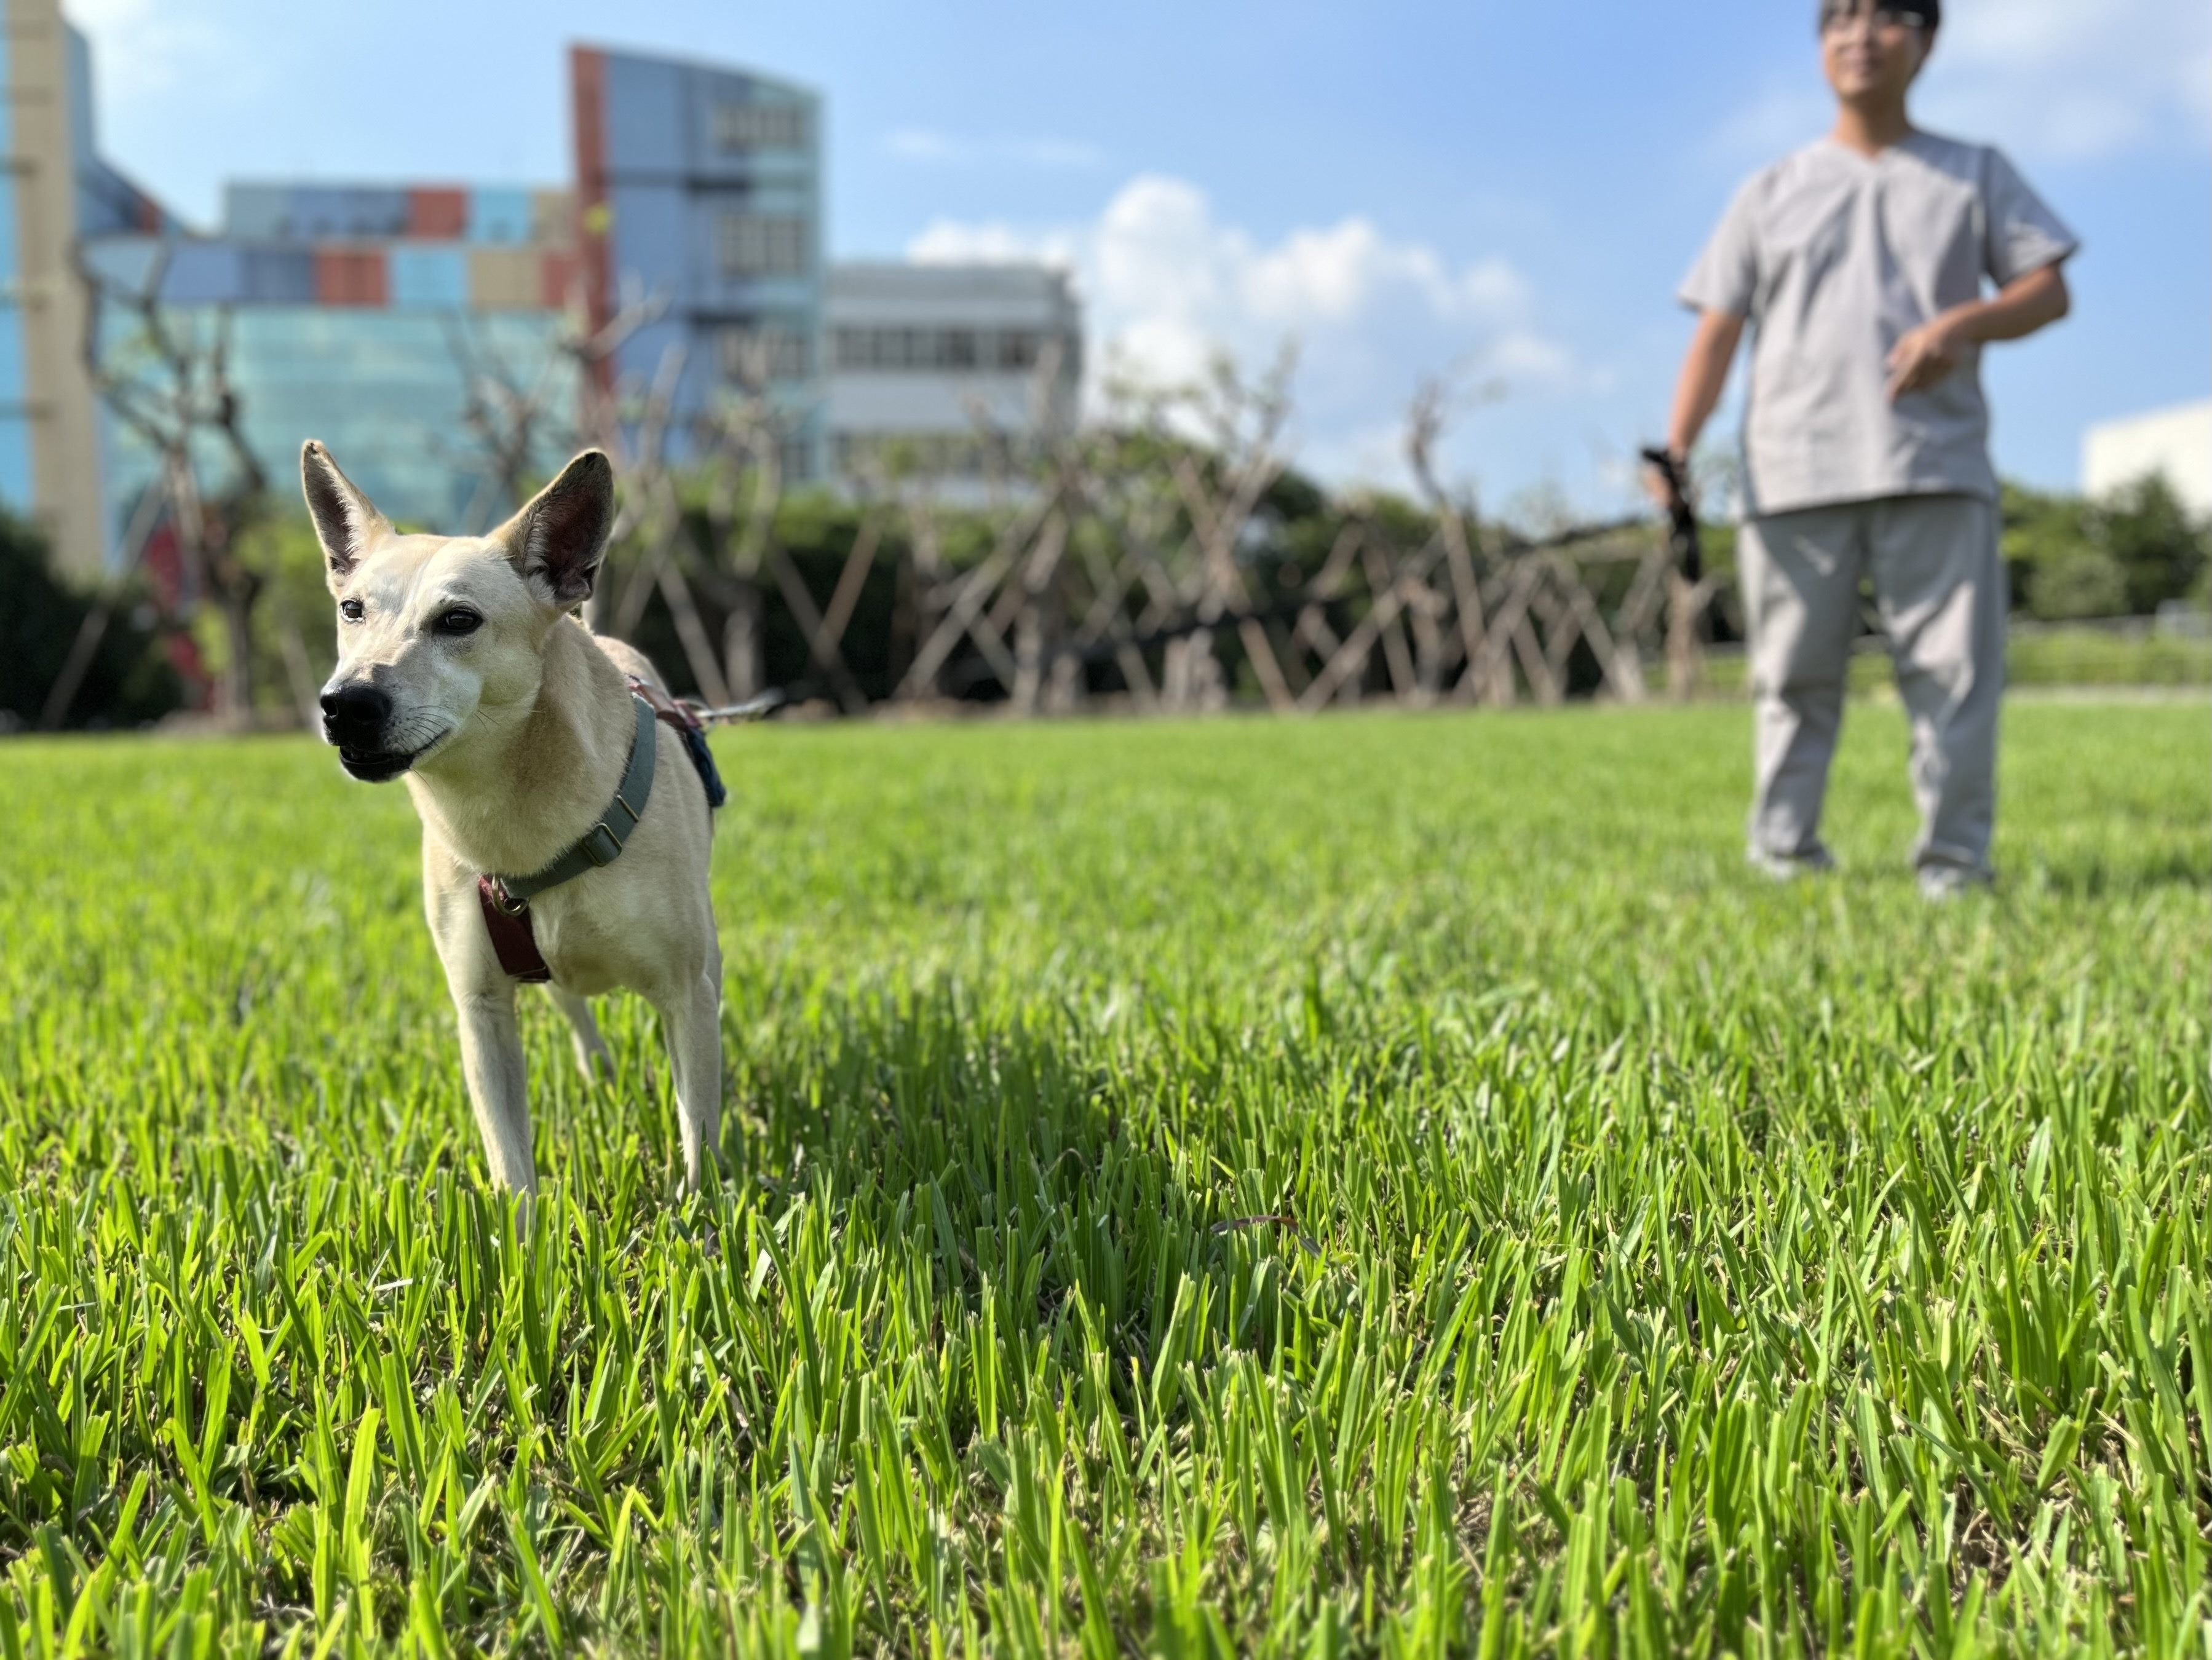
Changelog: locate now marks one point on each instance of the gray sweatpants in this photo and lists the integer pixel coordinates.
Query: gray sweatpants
(1939, 586)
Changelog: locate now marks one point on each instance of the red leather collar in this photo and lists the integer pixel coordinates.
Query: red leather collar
(512, 936)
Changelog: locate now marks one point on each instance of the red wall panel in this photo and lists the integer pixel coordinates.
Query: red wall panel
(351, 277)
(437, 212)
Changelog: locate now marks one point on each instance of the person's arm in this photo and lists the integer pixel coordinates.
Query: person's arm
(1697, 389)
(1934, 348)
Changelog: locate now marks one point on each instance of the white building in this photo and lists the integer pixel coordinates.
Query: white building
(944, 370)
(2176, 442)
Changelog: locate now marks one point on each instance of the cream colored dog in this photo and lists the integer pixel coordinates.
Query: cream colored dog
(462, 668)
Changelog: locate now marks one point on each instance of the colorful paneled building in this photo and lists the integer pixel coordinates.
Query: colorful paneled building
(699, 192)
(373, 315)
(368, 315)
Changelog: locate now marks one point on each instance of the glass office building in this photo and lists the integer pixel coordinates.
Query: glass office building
(15, 374)
(389, 390)
(54, 192)
(410, 326)
(699, 192)
(380, 319)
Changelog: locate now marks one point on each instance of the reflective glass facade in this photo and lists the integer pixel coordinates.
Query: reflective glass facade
(374, 317)
(387, 390)
(15, 388)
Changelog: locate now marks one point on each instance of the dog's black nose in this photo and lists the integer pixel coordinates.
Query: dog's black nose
(353, 715)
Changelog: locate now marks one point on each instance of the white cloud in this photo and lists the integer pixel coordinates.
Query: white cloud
(1167, 283)
(961, 242)
(1054, 152)
(929, 146)
(2065, 79)
(1782, 117)
(922, 144)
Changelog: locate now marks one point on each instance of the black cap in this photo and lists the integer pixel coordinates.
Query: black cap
(1929, 14)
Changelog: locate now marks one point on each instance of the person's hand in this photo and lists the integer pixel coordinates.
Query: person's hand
(1924, 356)
(1662, 489)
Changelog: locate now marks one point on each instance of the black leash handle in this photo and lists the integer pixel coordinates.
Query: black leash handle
(1682, 517)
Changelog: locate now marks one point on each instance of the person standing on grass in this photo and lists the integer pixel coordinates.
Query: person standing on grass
(1859, 263)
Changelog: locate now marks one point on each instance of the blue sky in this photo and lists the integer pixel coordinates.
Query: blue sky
(1505, 191)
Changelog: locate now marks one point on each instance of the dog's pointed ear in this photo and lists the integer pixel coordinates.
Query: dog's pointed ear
(347, 523)
(558, 538)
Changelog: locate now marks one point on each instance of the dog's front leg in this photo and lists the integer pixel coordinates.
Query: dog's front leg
(499, 1084)
(691, 1015)
(484, 1002)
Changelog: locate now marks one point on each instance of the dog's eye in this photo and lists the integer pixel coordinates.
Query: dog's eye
(459, 621)
(350, 609)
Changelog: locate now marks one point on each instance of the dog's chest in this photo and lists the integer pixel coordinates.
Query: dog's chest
(587, 953)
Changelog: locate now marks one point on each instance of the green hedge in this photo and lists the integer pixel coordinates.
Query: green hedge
(2130, 652)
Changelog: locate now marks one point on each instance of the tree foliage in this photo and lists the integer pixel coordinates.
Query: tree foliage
(129, 681)
(2125, 554)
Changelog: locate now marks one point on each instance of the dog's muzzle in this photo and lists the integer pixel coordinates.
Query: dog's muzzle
(355, 717)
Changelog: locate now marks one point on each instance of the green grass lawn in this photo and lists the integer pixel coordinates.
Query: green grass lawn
(1381, 1185)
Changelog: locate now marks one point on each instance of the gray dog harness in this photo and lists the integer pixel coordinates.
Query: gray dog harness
(505, 901)
(601, 844)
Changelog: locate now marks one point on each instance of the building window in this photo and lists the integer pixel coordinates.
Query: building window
(764, 245)
(753, 356)
(955, 351)
(759, 127)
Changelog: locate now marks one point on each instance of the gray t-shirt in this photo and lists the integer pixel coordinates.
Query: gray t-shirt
(1834, 256)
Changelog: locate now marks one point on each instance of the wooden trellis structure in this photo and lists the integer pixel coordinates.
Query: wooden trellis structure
(1128, 568)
